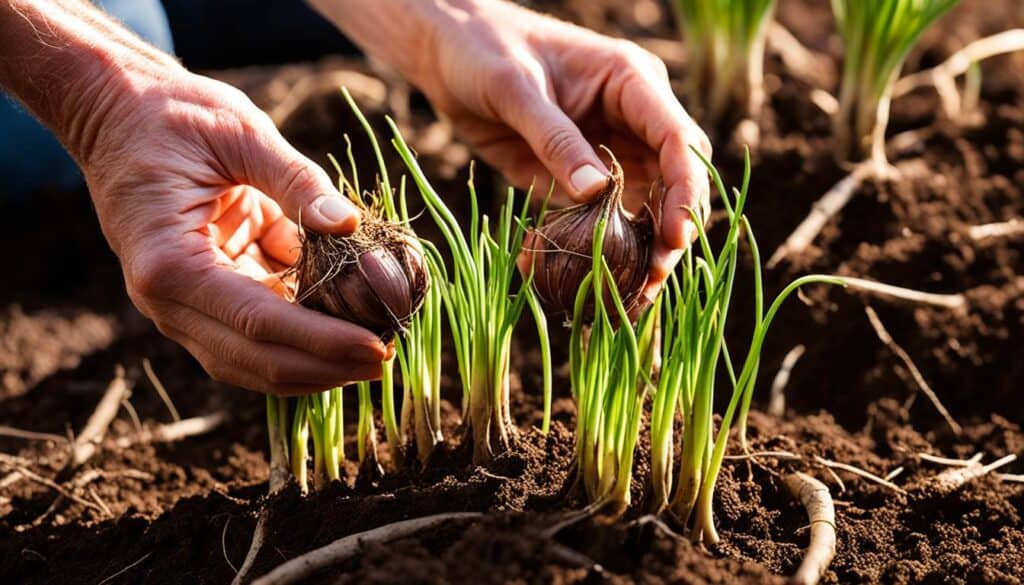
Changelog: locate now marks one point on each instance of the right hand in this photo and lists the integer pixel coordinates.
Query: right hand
(198, 195)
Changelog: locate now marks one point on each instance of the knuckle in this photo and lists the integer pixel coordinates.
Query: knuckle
(298, 181)
(153, 274)
(277, 373)
(630, 53)
(557, 143)
(215, 369)
(249, 320)
(508, 76)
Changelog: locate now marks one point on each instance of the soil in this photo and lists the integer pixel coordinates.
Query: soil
(184, 512)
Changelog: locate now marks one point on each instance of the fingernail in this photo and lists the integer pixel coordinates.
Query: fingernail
(335, 210)
(367, 353)
(587, 179)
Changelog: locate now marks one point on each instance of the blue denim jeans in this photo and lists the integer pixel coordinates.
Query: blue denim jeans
(31, 159)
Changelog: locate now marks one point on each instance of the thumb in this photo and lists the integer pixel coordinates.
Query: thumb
(303, 190)
(559, 145)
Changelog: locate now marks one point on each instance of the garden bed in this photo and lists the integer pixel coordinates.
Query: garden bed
(184, 512)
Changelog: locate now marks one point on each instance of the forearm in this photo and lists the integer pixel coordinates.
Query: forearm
(70, 63)
(399, 33)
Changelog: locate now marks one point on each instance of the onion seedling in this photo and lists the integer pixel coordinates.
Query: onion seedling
(725, 42)
(366, 432)
(481, 315)
(610, 361)
(376, 277)
(418, 349)
(697, 306)
(878, 35)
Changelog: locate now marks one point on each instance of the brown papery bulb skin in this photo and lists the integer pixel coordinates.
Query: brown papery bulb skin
(563, 245)
(376, 277)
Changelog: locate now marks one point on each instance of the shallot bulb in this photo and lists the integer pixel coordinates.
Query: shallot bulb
(375, 277)
(562, 247)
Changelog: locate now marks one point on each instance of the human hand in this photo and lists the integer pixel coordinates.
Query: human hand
(196, 192)
(532, 95)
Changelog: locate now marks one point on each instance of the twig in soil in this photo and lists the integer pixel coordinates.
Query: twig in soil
(812, 68)
(99, 502)
(486, 473)
(954, 301)
(126, 569)
(176, 431)
(859, 472)
(342, 549)
(894, 473)
(825, 101)
(86, 443)
(836, 198)
(159, 387)
(32, 476)
(10, 479)
(1002, 229)
(974, 460)
(777, 402)
(6, 431)
(660, 525)
(784, 455)
(224, 545)
(821, 514)
(824, 209)
(1011, 477)
(571, 518)
(132, 413)
(922, 384)
(955, 478)
(944, 74)
(87, 477)
(559, 552)
(835, 477)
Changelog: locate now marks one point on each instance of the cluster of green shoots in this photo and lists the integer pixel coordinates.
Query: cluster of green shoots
(482, 312)
(878, 35)
(481, 308)
(611, 374)
(725, 42)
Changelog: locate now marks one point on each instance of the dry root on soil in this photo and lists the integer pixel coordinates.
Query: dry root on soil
(338, 551)
(887, 339)
(821, 515)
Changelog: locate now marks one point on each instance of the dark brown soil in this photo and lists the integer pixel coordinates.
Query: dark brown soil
(185, 512)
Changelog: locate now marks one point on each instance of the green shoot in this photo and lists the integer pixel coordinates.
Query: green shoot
(697, 307)
(725, 42)
(326, 423)
(366, 432)
(419, 357)
(481, 314)
(418, 350)
(609, 374)
(277, 427)
(878, 35)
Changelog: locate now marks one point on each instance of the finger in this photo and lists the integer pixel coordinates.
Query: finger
(258, 314)
(280, 241)
(258, 155)
(236, 228)
(652, 112)
(553, 137)
(240, 374)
